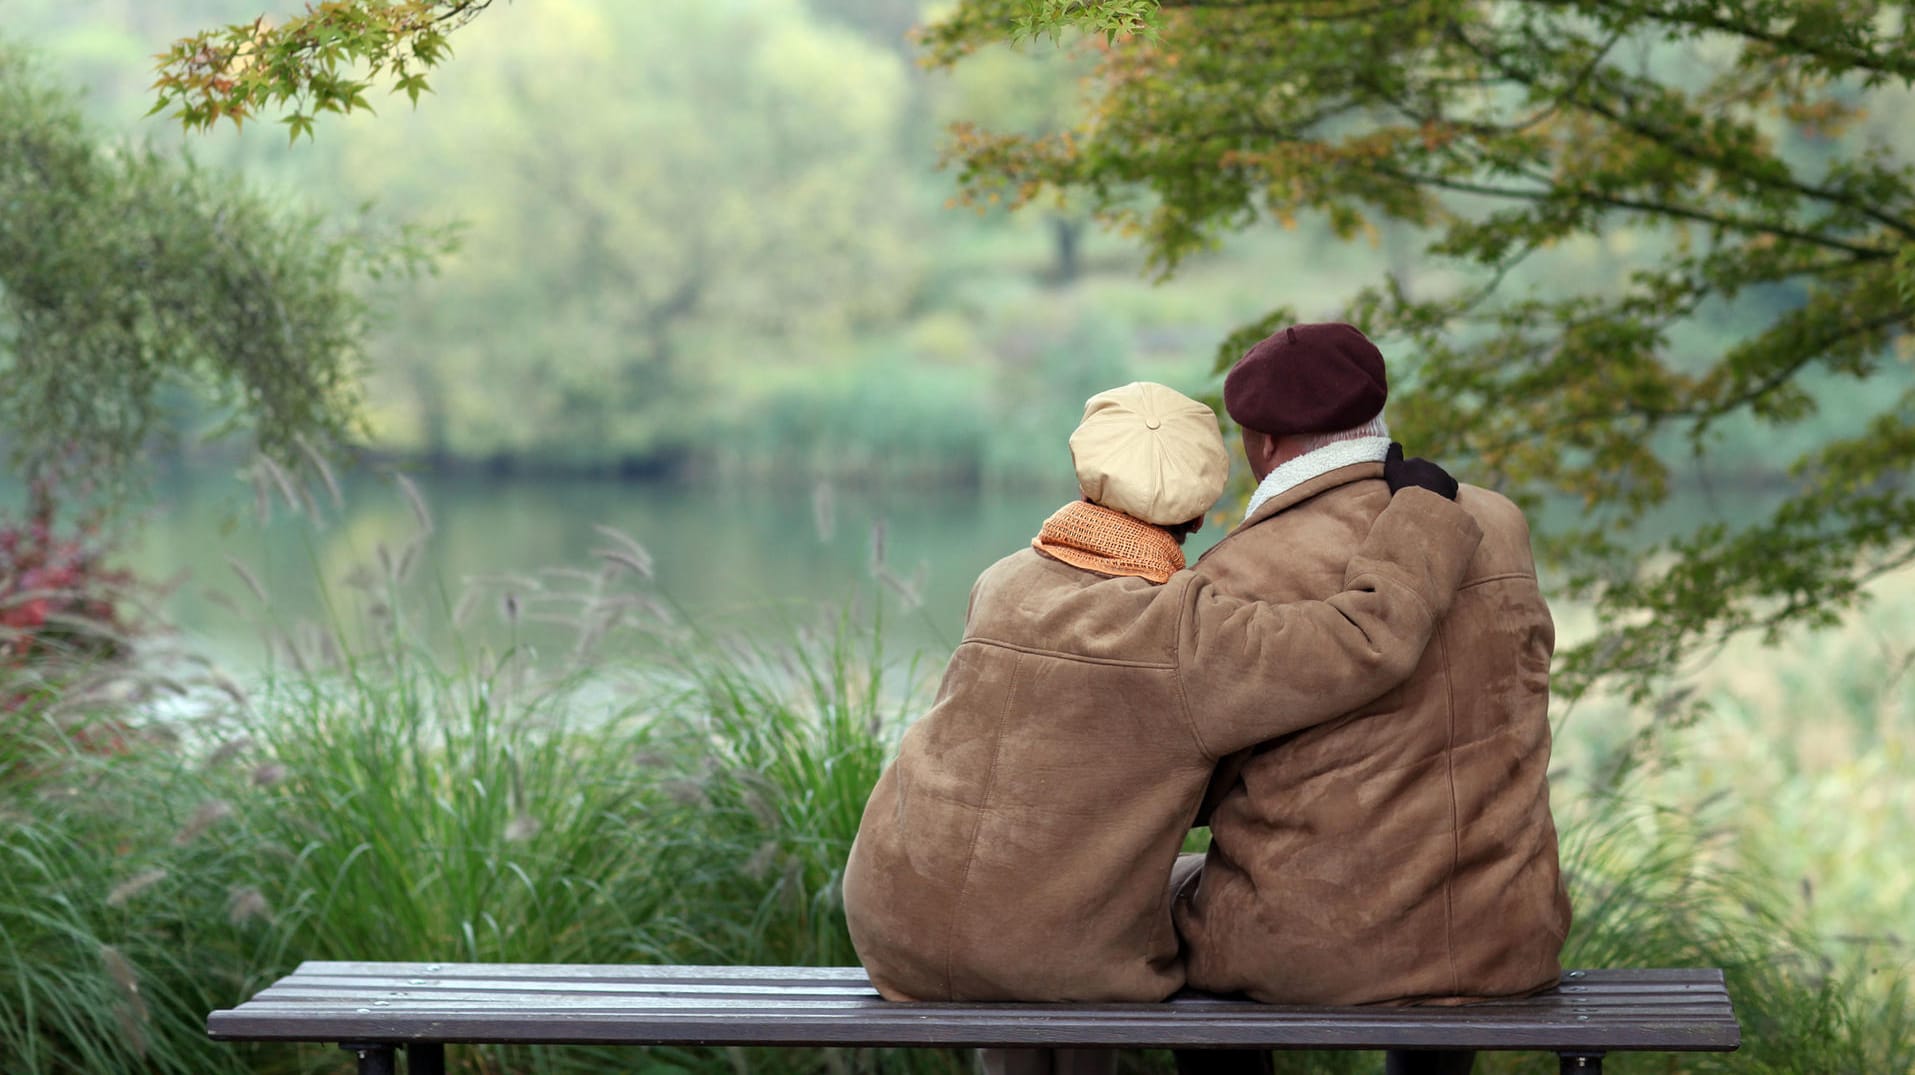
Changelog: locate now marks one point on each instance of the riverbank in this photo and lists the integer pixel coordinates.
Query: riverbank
(663, 791)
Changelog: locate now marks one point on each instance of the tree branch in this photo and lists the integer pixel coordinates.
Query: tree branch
(1708, 17)
(1546, 195)
(1682, 147)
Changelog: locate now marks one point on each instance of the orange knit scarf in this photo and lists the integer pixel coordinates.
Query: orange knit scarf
(1095, 538)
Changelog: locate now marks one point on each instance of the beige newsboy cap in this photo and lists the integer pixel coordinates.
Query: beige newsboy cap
(1150, 452)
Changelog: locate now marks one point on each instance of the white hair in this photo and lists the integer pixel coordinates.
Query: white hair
(1310, 442)
(1321, 453)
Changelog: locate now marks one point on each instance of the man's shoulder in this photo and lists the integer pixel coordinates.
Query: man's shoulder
(1491, 509)
(1307, 545)
(1319, 528)
(1505, 549)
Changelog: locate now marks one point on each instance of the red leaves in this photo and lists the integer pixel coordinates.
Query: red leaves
(51, 582)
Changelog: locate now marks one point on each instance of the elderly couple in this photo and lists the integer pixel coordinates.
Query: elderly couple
(1349, 690)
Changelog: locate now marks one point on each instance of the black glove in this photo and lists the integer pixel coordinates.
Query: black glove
(1402, 473)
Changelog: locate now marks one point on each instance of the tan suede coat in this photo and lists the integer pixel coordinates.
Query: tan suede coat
(1403, 852)
(1020, 846)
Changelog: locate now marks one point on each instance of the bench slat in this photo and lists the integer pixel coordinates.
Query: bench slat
(1050, 1030)
(502, 978)
(770, 994)
(625, 972)
(294, 1000)
(776, 996)
(786, 1006)
(1705, 976)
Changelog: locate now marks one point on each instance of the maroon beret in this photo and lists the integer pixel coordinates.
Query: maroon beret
(1317, 378)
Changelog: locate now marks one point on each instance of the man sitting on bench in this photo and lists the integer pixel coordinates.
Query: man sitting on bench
(1021, 845)
(1403, 852)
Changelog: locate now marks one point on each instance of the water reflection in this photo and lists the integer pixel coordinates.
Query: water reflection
(761, 559)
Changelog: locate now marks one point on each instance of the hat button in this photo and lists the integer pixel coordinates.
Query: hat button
(1153, 423)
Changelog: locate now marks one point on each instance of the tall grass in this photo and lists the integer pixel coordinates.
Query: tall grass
(642, 792)
(784, 747)
(645, 794)
(1659, 885)
(122, 913)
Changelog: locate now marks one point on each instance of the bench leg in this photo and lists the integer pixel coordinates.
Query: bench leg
(1222, 1061)
(1581, 1063)
(1428, 1062)
(425, 1058)
(1047, 1061)
(375, 1058)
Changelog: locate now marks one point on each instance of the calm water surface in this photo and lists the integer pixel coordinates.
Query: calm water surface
(761, 560)
(755, 559)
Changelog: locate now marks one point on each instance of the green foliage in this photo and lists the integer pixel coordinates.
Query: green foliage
(1664, 887)
(641, 792)
(785, 746)
(1731, 150)
(834, 302)
(327, 58)
(723, 209)
(323, 60)
(371, 799)
(101, 961)
(933, 426)
(1025, 20)
(966, 417)
(58, 596)
(128, 275)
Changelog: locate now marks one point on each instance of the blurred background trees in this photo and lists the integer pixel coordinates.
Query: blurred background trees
(659, 205)
(140, 292)
(727, 218)
(1723, 169)
(708, 244)
(144, 298)
(1627, 251)
(1619, 255)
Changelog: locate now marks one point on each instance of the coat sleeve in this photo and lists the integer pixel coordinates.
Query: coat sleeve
(1253, 671)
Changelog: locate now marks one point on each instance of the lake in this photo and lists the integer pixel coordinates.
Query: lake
(755, 559)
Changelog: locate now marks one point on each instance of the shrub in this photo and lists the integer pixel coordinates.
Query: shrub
(649, 794)
(62, 619)
(57, 595)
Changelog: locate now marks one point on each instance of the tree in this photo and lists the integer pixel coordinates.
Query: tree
(1741, 166)
(1731, 144)
(650, 196)
(128, 275)
(322, 60)
(1035, 93)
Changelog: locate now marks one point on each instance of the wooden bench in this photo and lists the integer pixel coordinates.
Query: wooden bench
(379, 1009)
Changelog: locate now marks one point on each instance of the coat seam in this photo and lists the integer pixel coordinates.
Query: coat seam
(1400, 580)
(1486, 579)
(1177, 674)
(1075, 658)
(1456, 836)
(977, 830)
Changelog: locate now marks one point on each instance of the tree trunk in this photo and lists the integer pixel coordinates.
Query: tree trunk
(1067, 234)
